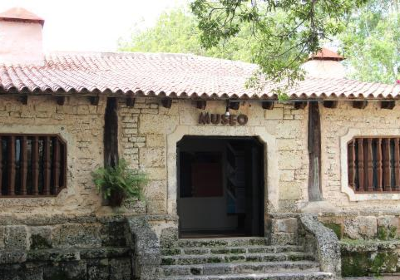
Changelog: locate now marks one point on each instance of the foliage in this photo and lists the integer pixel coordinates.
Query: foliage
(283, 32)
(279, 35)
(371, 42)
(337, 229)
(119, 179)
(177, 32)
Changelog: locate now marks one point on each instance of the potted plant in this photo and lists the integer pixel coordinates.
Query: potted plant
(119, 182)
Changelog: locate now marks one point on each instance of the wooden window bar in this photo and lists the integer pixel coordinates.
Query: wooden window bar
(32, 165)
(374, 164)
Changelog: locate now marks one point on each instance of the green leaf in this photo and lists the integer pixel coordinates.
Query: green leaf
(120, 178)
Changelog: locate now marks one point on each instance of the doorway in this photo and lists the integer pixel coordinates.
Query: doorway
(220, 186)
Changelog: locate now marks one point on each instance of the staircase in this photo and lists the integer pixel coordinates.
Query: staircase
(238, 259)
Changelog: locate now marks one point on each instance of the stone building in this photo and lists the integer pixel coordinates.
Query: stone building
(234, 172)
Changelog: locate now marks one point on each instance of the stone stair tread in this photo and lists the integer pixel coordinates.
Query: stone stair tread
(243, 263)
(238, 268)
(188, 256)
(289, 247)
(212, 242)
(259, 276)
(238, 259)
(234, 258)
(232, 249)
(224, 238)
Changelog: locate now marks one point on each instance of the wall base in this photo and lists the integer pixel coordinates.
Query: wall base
(318, 207)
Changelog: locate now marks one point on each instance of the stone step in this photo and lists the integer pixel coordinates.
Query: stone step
(268, 276)
(222, 242)
(229, 258)
(238, 268)
(230, 250)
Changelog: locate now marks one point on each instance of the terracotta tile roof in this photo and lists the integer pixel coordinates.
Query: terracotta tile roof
(20, 14)
(326, 54)
(174, 75)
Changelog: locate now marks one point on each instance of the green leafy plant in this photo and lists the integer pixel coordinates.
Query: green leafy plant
(119, 182)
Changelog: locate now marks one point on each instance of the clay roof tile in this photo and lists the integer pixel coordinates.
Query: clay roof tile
(175, 75)
(326, 54)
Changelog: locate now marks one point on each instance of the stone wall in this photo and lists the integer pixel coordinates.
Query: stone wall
(49, 236)
(369, 241)
(147, 139)
(65, 247)
(336, 124)
(146, 128)
(370, 258)
(364, 225)
(144, 150)
(143, 134)
(81, 126)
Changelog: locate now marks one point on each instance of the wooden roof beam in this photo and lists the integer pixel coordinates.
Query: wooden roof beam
(166, 102)
(234, 104)
(94, 100)
(360, 104)
(60, 100)
(330, 104)
(268, 105)
(24, 99)
(388, 104)
(130, 102)
(300, 105)
(201, 104)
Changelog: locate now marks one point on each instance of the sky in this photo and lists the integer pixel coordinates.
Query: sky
(91, 25)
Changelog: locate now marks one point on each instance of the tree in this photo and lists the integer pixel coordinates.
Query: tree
(371, 42)
(278, 35)
(284, 32)
(177, 32)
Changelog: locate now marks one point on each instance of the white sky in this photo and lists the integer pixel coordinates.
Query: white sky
(91, 25)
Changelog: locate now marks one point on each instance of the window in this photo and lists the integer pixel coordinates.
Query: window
(32, 165)
(374, 164)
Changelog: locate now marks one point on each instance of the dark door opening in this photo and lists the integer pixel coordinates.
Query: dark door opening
(220, 186)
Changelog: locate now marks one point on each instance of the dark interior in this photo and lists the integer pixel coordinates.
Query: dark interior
(221, 186)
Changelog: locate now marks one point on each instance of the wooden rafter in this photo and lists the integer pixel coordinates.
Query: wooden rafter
(268, 105)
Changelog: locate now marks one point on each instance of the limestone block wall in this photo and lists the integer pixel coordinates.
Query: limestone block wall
(81, 126)
(340, 124)
(369, 240)
(149, 133)
(290, 128)
(147, 136)
(364, 225)
(65, 247)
